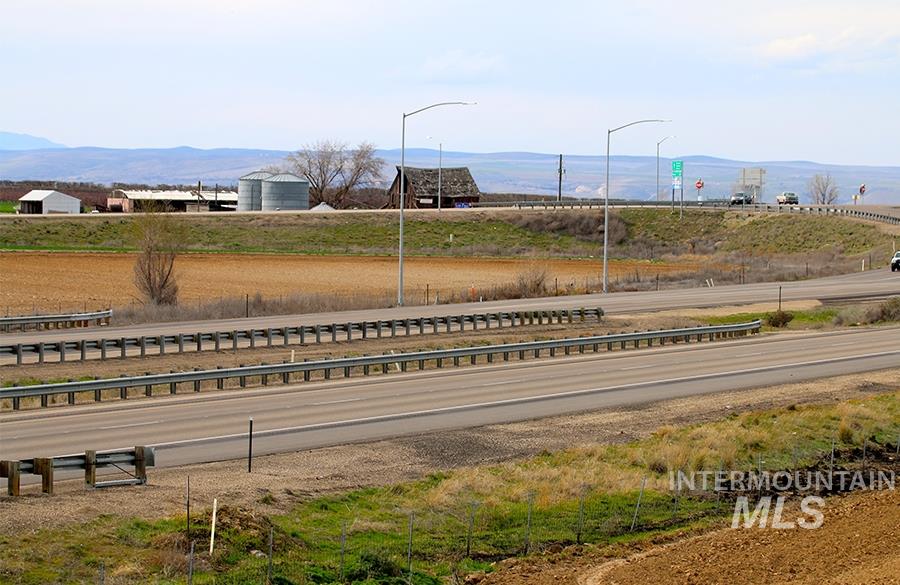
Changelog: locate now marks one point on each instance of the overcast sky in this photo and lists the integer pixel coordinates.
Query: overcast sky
(763, 80)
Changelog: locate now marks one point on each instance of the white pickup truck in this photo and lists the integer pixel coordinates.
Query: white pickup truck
(787, 198)
(895, 262)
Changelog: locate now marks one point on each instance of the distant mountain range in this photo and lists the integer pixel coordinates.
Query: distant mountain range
(632, 177)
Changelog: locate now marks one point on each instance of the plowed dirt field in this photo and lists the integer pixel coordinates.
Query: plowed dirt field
(50, 281)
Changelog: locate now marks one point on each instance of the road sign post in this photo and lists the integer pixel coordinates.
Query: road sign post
(677, 173)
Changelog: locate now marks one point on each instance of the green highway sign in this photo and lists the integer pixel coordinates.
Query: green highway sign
(677, 167)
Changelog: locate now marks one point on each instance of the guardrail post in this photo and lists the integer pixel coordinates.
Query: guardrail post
(434, 325)
(269, 337)
(16, 403)
(319, 334)
(378, 329)
(449, 322)
(251, 333)
(43, 466)
(19, 354)
(122, 353)
(302, 330)
(199, 339)
(181, 343)
(393, 328)
(173, 386)
(217, 340)
(474, 322)
(462, 323)
(406, 325)
(140, 464)
(161, 344)
(142, 340)
(40, 347)
(13, 477)
(234, 340)
(364, 329)
(220, 382)
(123, 390)
(286, 335)
(349, 332)
(242, 380)
(90, 468)
(334, 332)
(61, 349)
(196, 382)
(421, 325)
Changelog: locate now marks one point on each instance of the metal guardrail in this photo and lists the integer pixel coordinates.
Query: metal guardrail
(285, 370)
(712, 203)
(271, 336)
(140, 458)
(62, 321)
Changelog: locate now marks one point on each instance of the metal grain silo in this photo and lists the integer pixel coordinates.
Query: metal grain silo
(285, 192)
(250, 191)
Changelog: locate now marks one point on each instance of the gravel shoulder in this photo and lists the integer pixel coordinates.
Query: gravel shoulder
(280, 481)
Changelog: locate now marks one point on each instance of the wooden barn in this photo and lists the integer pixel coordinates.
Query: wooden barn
(457, 187)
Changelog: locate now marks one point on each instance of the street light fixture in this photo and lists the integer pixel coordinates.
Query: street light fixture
(657, 170)
(403, 183)
(606, 201)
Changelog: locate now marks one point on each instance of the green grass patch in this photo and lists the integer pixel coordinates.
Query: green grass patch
(808, 319)
(8, 206)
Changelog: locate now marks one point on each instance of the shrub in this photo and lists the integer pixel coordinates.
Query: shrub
(779, 319)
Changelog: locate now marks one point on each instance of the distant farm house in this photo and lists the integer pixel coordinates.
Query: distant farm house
(457, 187)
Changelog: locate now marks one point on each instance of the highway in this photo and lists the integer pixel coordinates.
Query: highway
(212, 426)
(873, 283)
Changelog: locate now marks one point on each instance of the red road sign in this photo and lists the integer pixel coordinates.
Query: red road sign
(862, 189)
(699, 184)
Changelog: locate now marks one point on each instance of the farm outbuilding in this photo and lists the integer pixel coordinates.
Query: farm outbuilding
(129, 201)
(457, 188)
(44, 201)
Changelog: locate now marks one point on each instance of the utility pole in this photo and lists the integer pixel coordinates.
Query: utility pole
(560, 173)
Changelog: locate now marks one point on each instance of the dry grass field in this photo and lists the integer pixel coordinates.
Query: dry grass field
(49, 281)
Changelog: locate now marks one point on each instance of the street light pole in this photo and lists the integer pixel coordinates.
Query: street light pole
(657, 164)
(440, 169)
(606, 202)
(402, 198)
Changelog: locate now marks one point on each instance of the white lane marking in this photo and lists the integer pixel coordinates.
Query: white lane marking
(844, 343)
(336, 401)
(637, 367)
(502, 383)
(141, 424)
(752, 354)
(566, 394)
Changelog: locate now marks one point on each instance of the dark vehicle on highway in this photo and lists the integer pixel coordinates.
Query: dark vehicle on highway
(741, 198)
(895, 263)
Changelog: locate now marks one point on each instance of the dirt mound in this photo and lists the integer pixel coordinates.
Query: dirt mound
(856, 544)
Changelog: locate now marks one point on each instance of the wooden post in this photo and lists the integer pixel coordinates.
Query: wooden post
(10, 469)
(43, 466)
(140, 464)
(90, 468)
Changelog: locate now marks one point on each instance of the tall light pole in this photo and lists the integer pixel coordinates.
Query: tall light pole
(440, 168)
(657, 164)
(606, 202)
(403, 184)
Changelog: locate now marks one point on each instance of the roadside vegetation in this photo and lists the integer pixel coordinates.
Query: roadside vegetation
(634, 233)
(542, 504)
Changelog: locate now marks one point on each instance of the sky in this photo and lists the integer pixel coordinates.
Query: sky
(755, 81)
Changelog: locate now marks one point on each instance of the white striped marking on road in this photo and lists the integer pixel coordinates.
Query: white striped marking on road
(140, 424)
(336, 401)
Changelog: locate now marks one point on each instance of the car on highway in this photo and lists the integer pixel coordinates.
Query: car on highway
(742, 198)
(787, 198)
(895, 262)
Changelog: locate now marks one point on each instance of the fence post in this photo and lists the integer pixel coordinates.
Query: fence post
(528, 522)
(471, 528)
(271, 543)
(580, 517)
(637, 506)
(343, 550)
(13, 475)
(190, 578)
(409, 546)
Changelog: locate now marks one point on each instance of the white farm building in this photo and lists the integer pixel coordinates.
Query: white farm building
(43, 201)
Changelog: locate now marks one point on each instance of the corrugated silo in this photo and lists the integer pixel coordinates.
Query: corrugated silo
(250, 191)
(285, 192)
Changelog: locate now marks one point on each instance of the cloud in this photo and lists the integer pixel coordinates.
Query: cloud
(791, 48)
(847, 49)
(457, 64)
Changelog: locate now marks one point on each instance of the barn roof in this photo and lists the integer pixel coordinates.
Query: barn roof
(41, 194)
(159, 195)
(455, 182)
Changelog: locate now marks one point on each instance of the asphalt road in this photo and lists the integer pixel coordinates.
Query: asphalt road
(859, 285)
(213, 426)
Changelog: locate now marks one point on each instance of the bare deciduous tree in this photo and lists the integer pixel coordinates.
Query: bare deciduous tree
(823, 190)
(334, 170)
(159, 238)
